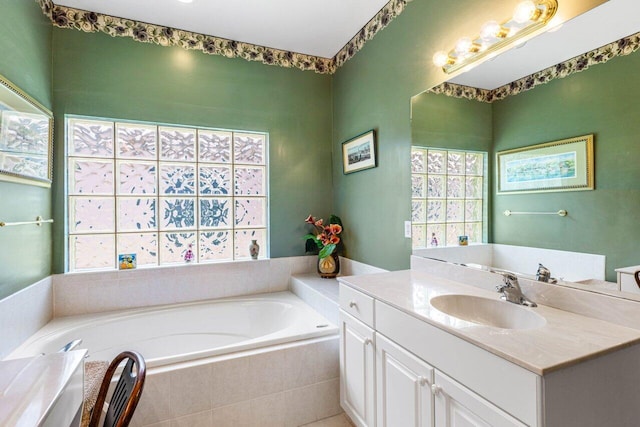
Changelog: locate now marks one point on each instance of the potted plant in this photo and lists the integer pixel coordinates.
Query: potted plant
(327, 242)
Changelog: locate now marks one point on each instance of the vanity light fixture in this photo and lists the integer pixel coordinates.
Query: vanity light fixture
(528, 16)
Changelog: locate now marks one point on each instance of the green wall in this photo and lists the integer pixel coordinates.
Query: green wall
(97, 75)
(441, 121)
(602, 100)
(445, 122)
(25, 60)
(308, 117)
(373, 90)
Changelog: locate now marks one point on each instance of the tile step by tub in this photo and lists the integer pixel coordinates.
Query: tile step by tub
(321, 294)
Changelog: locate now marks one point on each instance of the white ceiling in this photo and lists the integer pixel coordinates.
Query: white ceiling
(312, 27)
(606, 23)
(323, 27)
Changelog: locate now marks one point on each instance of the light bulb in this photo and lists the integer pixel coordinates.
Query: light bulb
(440, 59)
(490, 30)
(525, 11)
(463, 46)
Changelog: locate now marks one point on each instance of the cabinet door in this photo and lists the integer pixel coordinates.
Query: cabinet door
(357, 370)
(403, 394)
(457, 406)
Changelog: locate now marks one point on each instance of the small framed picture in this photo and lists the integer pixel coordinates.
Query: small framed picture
(127, 261)
(359, 153)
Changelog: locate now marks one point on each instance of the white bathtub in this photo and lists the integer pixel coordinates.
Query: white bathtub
(182, 332)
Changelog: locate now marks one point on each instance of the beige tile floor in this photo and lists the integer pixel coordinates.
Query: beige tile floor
(338, 421)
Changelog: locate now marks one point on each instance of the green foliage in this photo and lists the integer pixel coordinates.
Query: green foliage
(334, 219)
(327, 250)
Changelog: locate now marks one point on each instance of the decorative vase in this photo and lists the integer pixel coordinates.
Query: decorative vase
(329, 267)
(254, 249)
(188, 255)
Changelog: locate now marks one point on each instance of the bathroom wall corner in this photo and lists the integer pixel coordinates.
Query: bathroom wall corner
(23, 313)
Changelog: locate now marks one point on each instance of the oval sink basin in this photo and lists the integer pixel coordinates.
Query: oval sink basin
(488, 312)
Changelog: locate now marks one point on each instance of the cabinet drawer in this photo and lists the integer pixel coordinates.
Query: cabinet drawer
(357, 304)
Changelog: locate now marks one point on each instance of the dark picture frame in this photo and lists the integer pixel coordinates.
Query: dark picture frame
(359, 153)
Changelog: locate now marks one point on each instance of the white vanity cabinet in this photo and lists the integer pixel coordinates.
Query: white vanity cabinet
(406, 364)
(403, 387)
(357, 370)
(357, 356)
(384, 384)
(456, 406)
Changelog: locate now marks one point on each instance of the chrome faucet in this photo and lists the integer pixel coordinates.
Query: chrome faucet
(511, 291)
(544, 275)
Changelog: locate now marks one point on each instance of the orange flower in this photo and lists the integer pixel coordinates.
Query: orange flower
(319, 222)
(334, 239)
(323, 238)
(310, 220)
(335, 229)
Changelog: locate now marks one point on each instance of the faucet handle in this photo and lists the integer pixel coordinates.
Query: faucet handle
(501, 288)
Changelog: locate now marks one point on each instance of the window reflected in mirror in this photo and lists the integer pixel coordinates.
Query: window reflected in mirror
(448, 197)
(26, 130)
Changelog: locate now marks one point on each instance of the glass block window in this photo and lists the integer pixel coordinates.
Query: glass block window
(159, 191)
(448, 196)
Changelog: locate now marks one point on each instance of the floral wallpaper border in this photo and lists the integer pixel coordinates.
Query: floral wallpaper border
(380, 21)
(67, 17)
(622, 47)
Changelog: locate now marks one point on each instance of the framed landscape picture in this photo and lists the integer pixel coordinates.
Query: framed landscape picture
(359, 153)
(565, 165)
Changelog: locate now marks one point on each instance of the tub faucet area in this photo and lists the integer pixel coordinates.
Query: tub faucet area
(544, 275)
(511, 291)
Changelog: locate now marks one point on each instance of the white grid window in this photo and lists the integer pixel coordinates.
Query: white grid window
(448, 191)
(159, 191)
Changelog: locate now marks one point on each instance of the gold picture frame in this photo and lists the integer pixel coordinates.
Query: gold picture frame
(565, 165)
(26, 137)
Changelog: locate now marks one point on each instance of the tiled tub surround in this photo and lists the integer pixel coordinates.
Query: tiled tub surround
(81, 293)
(322, 294)
(284, 385)
(24, 313)
(287, 377)
(287, 384)
(571, 266)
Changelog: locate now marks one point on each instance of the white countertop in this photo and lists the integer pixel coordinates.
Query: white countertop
(564, 340)
(628, 270)
(30, 387)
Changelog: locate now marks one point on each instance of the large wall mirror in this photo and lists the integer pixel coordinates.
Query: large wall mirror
(600, 100)
(26, 135)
